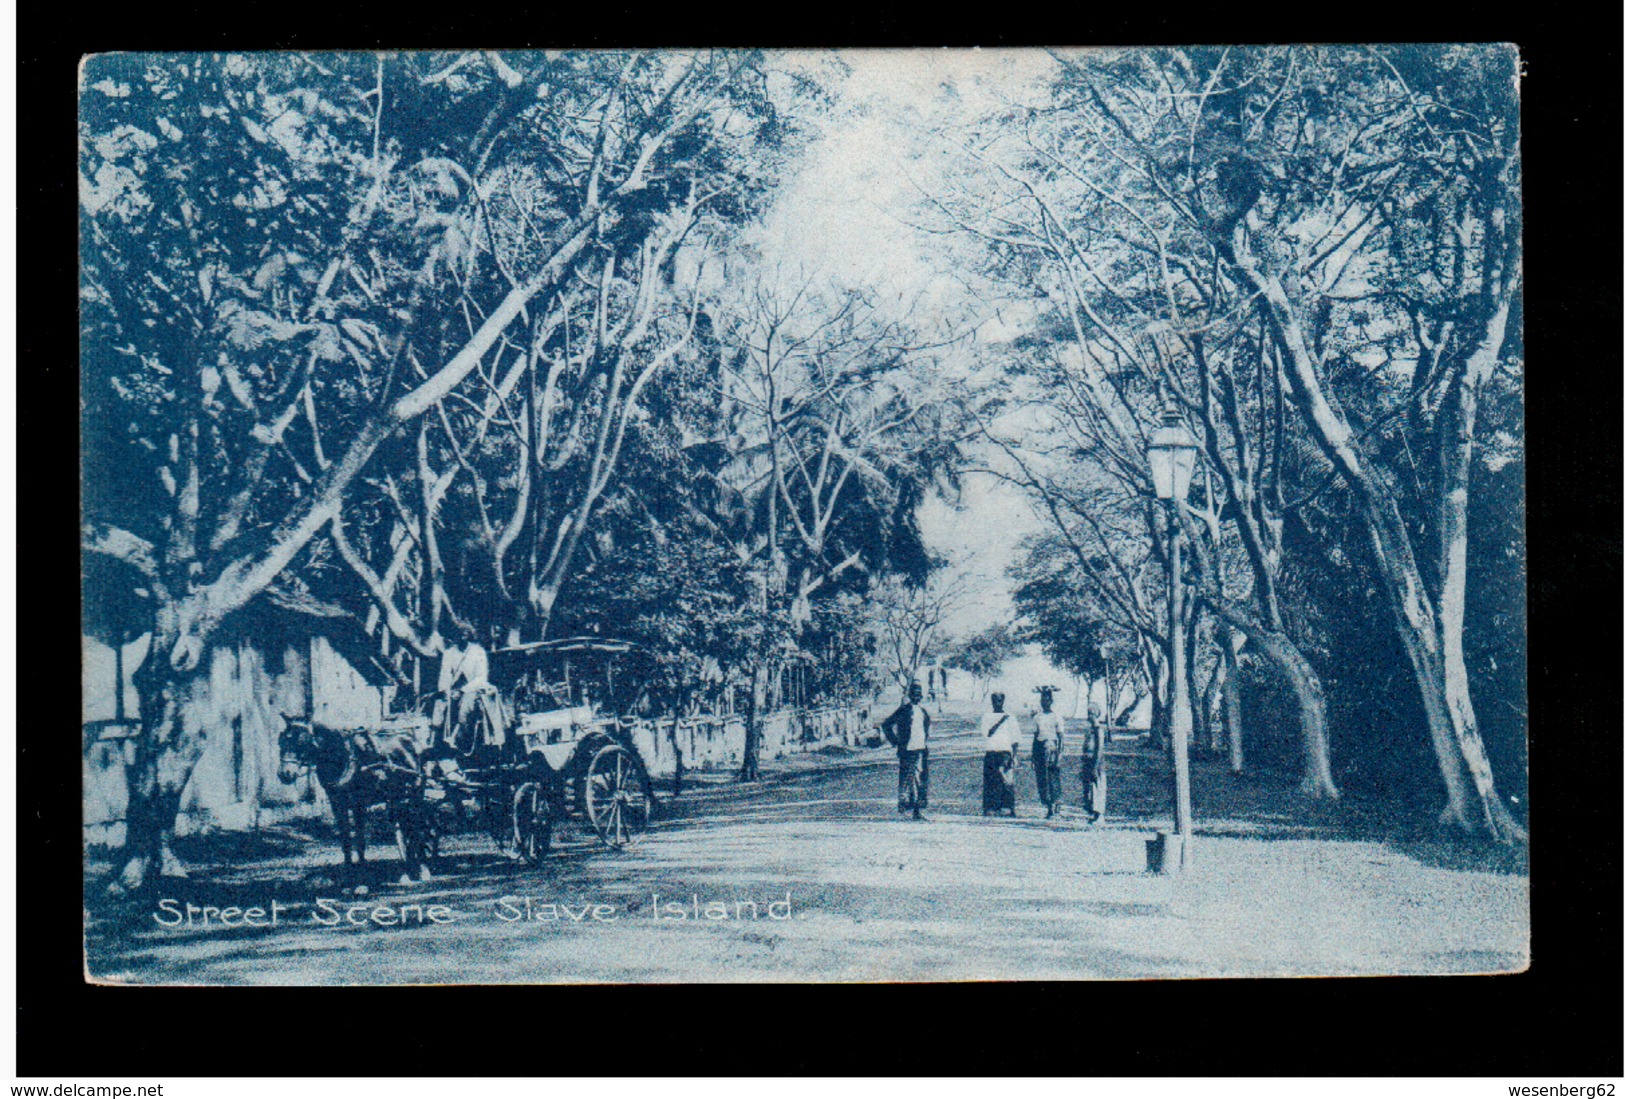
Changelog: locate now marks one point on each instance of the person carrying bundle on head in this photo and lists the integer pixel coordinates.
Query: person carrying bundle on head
(1047, 744)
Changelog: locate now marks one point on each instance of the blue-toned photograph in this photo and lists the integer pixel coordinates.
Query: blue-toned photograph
(663, 516)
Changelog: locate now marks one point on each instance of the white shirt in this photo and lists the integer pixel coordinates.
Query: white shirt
(916, 729)
(1005, 739)
(1047, 727)
(468, 668)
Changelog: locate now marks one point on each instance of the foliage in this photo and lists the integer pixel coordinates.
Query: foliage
(1312, 255)
(437, 337)
(1064, 616)
(907, 621)
(984, 653)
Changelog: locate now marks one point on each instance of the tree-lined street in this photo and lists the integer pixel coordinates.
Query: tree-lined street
(418, 389)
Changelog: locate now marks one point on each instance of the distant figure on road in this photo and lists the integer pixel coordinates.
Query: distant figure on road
(1094, 765)
(909, 730)
(1047, 745)
(943, 676)
(1000, 737)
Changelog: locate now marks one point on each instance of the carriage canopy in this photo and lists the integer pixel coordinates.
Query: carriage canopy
(608, 675)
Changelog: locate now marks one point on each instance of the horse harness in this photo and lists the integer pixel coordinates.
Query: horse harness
(355, 745)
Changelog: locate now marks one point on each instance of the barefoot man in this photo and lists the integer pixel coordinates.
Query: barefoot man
(909, 730)
(1047, 742)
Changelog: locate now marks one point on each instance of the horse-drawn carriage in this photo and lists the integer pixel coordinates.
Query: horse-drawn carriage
(542, 738)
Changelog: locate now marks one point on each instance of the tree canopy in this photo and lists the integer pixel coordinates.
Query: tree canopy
(451, 340)
(492, 345)
(1311, 257)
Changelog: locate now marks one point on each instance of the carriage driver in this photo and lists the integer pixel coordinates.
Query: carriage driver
(466, 692)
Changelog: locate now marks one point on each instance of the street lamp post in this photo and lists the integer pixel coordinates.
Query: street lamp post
(1172, 454)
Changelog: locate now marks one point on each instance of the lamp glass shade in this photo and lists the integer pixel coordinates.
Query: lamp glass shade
(1172, 453)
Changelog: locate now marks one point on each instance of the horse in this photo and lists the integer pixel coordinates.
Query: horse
(360, 770)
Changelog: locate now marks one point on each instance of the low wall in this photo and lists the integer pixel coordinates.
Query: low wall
(718, 743)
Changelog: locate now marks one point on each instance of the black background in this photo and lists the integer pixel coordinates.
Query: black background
(1561, 1018)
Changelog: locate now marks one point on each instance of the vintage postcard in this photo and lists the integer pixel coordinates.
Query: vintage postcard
(802, 516)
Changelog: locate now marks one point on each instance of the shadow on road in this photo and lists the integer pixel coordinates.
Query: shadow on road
(877, 886)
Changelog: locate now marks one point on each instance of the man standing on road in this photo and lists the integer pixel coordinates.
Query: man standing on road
(1047, 740)
(1094, 766)
(1000, 735)
(909, 730)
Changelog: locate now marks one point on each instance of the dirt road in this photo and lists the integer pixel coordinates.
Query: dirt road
(812, 876)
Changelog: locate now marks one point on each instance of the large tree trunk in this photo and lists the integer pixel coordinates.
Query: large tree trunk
(1212, 696)
(1311, 698)
(1158, 736)
(165, 756)
(1456, 433)
(1232, 701)
(1115, 690)
(1472, 802)
(1282, 652)
(1196, 634)
(750, 766)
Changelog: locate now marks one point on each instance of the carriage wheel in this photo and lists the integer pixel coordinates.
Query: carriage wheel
(616, 795)
(532, 821)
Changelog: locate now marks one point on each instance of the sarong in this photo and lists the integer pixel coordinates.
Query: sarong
(479, 722)
(913, 779)
(998, 783)
(1047, 769)
(1094, 786)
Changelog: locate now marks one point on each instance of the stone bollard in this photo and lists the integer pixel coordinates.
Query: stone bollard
(1162, 854)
